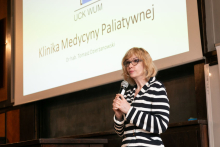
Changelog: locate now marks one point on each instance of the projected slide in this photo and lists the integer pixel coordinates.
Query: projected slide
(73, 40)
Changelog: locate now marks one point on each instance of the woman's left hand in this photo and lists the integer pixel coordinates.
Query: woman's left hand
(124, 106)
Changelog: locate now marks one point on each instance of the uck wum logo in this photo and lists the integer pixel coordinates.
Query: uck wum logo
(86, 10)
(84, 1)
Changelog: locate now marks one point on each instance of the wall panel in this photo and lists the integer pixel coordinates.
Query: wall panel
(3, 9)
(13, 126)
(90, 111)
(3, 66)
(2, 125)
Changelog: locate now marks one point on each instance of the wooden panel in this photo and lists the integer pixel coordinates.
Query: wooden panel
(180, 87)
(3, 84)
(96, 145)
(181, 139)
(13, 126)
(2, 140)
(3, 67)
(3, 9)
(2, 125)
(60, 142)
(83, 112)
(114, 142)
(174, 128)
(27, 122)
(200, 91)
(2, 64)
(70, 145)
(113, 139)
(204, 135)
(90, 111)
(185, 136)
(2, 31)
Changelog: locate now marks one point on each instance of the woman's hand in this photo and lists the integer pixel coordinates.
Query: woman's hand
(118, 113)
(121, 104)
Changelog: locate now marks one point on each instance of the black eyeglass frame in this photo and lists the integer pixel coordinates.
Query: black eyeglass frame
(127, 63)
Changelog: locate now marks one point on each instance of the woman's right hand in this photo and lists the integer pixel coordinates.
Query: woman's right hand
(118, 113)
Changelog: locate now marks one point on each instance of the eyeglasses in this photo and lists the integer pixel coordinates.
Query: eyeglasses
(134, 62)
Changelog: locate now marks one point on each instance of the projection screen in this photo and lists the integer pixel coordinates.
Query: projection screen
(66, 46)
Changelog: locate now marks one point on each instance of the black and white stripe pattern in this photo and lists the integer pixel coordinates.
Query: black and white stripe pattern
(147, 118)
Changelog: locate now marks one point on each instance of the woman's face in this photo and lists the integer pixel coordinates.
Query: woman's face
(135, 71)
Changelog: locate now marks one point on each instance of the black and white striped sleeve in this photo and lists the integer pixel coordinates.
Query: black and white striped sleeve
(119, 126)
(153, 115)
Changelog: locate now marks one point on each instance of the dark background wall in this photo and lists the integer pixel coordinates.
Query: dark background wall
(90, 111)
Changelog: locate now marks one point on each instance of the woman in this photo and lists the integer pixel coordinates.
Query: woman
(142, 113)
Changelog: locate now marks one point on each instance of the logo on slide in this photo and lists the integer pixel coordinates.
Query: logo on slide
(84, 1)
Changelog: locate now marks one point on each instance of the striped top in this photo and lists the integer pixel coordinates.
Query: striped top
(147, 118)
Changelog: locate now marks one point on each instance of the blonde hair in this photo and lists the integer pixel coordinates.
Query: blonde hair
(150, 68)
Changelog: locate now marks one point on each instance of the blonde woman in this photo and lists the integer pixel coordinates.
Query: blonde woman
(142, 113)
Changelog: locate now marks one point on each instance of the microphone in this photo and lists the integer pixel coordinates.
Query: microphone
(124, 85)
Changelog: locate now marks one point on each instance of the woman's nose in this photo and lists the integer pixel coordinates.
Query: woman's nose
(130, 65)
